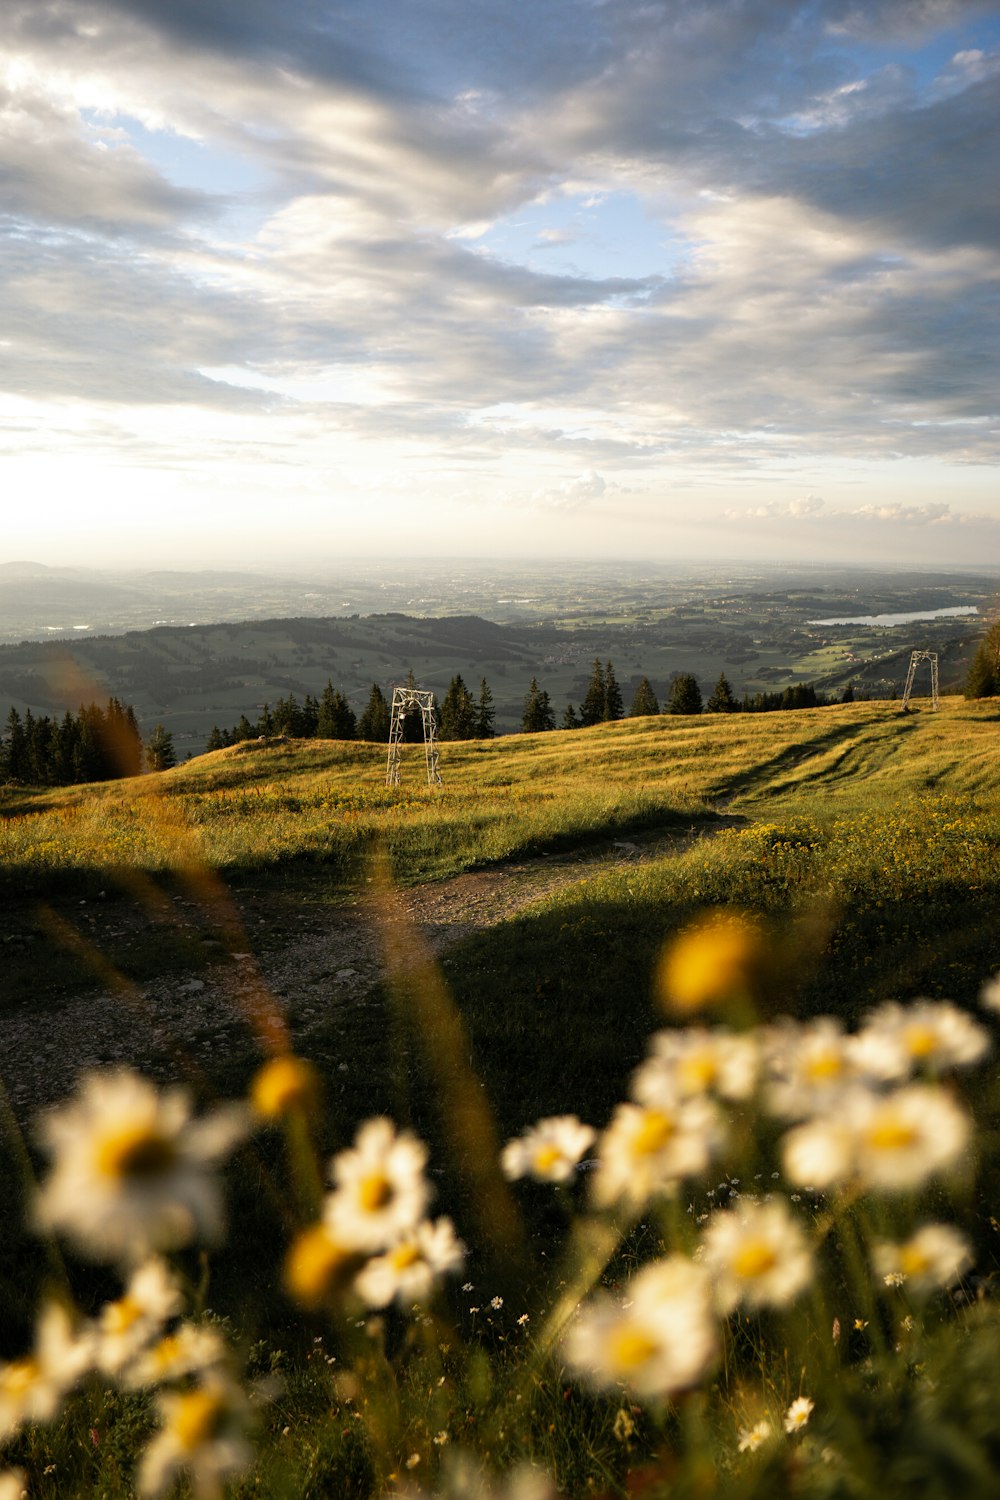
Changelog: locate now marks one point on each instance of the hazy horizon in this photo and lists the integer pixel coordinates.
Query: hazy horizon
(288, 285)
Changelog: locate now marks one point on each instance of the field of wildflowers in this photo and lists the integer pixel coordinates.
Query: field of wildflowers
(721, 1221)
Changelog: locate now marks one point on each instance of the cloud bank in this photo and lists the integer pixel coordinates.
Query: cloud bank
(452, 250)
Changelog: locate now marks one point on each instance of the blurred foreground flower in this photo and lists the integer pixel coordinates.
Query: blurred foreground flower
(663, 1341)
(989, 995)
(320, 1266)
(31, 1389)
(410, 1269)
(645, 1152)
(192, 1349)
(719, 958)
(757, 1255)
(933, 1034)
(549, 1151)
(132, 1172)
(891, 1142)
(284, 1084)
(127, 1326)
(204, 1435)
(752, 1438)
(934, 1258)
(697, 1061)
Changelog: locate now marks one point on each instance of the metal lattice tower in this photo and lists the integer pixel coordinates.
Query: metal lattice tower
(405, 700)
(915, 658)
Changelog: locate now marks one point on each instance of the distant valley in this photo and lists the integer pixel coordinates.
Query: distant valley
(759, 627)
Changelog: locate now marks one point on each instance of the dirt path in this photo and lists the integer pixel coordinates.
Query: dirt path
(316, 971)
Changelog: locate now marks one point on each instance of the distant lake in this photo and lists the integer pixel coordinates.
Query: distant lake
(917, 614)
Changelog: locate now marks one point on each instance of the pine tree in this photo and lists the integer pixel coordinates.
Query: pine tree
(310, 716)
(335, 718)
(722, 699)
(848, 693)
(983, 680)
(17, 748)
(685, 694)
(645, 702)
(160, 754)
(374, 722)
(216, 739)
(485, 712)
(458, 712)
(614, 708)
(593, 706)
(537, 715)
(569, 718)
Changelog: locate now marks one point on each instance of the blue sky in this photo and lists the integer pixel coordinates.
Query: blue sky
(635, 278)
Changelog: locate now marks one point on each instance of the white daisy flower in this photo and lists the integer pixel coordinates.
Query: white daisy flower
(819, 1153)
(549, 1151)
(191, 1349)
(662, 1341)
(897, 1039)
(752, 1438)
(798, 1414)
(31, 1389)
(203, 1435)
(807, 1067)
(645, 1152)
(132, 1172)
(380, 1191)
(410, 1269)
(757, 1255)
(125, 1327)
(989, 995)
(903, 1138)
(935, 1257)
(697, 1061)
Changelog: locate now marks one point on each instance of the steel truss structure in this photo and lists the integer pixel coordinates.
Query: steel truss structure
(406, 700)
(915, 658)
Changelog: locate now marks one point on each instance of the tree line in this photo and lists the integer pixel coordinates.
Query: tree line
(94, 744)
(459, 716)
(603, 703)
(983, 679)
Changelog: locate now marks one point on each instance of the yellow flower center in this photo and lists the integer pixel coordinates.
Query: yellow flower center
(631, 1348)
(197, 1418)
(136, 1151)
(753, 1259)
(920, 1041)
(375, 1192)
(653, 1134)
(316, 1265)
(891, 1134)
(699, 1071)
(712, 961)
(282, 1084)
(405, 1256)
(166, 1351)
(913, 1261)
(824, 1064)
(546, 1158)
(19, 1377)
(121, 1315)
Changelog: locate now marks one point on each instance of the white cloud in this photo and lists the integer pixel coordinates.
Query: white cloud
(572, 494)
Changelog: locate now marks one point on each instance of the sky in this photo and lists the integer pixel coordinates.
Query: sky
(286, 281)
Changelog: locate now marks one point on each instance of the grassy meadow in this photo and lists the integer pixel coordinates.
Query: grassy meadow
(855, 853)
